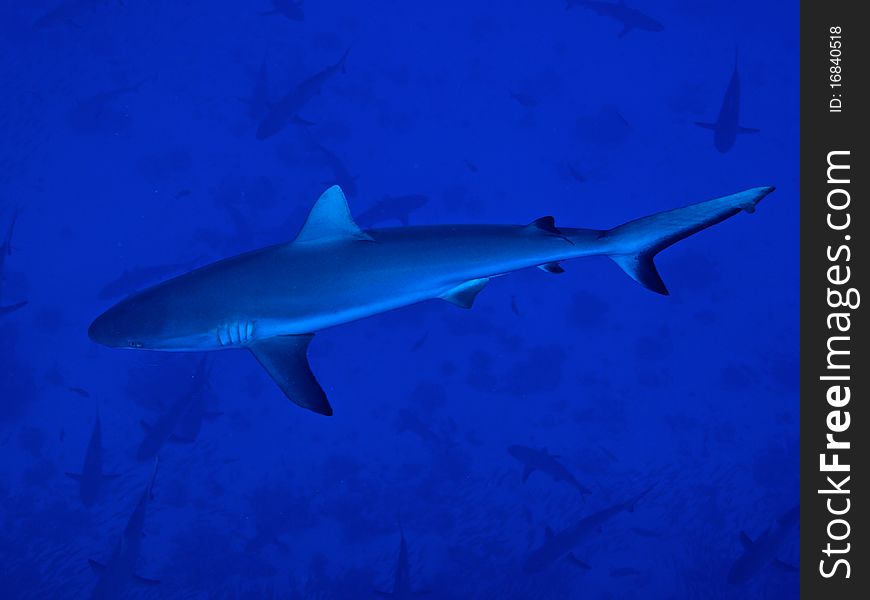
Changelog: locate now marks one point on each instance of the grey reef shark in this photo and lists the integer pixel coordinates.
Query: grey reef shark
(116, 574)
(727, 126)
(271, 301)
(630, 18)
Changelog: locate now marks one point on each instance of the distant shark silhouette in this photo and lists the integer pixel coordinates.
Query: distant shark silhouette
(165, 426)
(535, 459)
(6, 250)
(286, 110)
(118, 572)
(402, 579)
(560, 544)
(631, 18)
(727, 126)
(270, 301)
(92, 476)
(759, 553)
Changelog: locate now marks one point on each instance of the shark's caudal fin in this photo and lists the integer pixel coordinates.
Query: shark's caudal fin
(633, 245)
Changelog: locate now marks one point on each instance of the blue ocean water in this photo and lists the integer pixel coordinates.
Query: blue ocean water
(129, 152)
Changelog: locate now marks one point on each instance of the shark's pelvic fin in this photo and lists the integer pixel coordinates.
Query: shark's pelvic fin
(711, 126)
(145, 580)
(285, 358)
(330, 220)
(633, 245)
(552, 267)
(463, 295)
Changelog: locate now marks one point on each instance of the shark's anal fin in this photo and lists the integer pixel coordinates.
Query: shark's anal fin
(285, 358)
(745, 540)
(330, 220)
(73, 476)
(463, 295)
(96, 567)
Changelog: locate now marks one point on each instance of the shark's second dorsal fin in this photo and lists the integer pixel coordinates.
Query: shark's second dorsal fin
(330, 220)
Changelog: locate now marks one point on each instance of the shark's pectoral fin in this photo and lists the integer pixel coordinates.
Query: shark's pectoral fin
(578, 563)
(747, 130)
(297, 120)
(553, 267)
(745, 540)
(784, 566)
(711, 126)
(625, 30)
(463, 295)
(96, 567)
(526, 472)
(73, 476)
(145, 580)
(330, 220)
(285, 358)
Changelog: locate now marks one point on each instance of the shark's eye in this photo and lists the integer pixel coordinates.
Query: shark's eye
(137, 345)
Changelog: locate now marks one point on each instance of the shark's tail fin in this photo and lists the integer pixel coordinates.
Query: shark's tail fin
(633, 245)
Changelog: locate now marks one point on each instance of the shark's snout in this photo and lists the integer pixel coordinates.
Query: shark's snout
(104, 331)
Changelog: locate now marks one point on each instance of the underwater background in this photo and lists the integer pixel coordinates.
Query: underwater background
(129, 152)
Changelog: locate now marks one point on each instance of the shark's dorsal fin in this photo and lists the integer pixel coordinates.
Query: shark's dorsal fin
(285, 358)
(547, 224)
(745, 540)
(330, 220)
